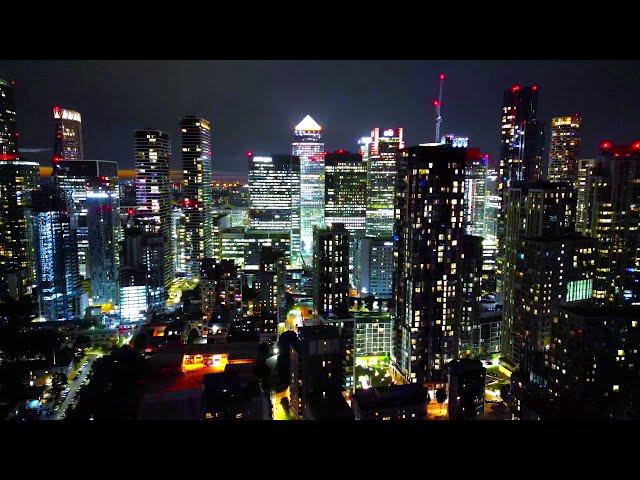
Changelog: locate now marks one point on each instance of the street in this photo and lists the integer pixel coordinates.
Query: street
(74, 386)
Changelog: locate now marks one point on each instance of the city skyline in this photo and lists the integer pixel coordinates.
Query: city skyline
(231, 95)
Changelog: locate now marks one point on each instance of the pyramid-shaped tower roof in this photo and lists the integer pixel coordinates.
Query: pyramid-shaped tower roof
(308, 124)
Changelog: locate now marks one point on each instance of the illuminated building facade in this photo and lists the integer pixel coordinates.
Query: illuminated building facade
(57, 275)
(467, 379)
(316, 366)
(179, 239)
(373, 335)
(564, 149)
(583, 220)
(197, 169)
(543, 256)
(346, 191)
(153, 200)
(471, 290)
(373, 267)
(428, 249)
(308, 146)
(274, 190)
(593, 361)
(68, 136)
(614, 210)
(104, 245)
(98, 180)
(220, 291)
(8, 127)
(331, 270)
(381, 177)
(475, 192)
(521, 155)
(17, 178)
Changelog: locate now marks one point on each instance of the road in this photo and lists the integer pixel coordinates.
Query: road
(74, 386)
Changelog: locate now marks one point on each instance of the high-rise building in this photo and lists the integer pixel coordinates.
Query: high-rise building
(521, 155)
(428, 249)
(56, 256)
(79, 179)
(545, 261)
(381, 177)
(274, 190)
(331, 269)
(466, 389)
(614, 211)
(68, 137)
(475, 192)
(346, 191)
(195, 134)
(373, 267)
(153, 199)
(593, 361)
(18, 177)
(583, 222)
(220, 291)
(564, 149)
(308, 146)
(316, 366)
(471, 287)
(8, 126)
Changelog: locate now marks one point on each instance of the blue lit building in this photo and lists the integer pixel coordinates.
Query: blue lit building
(56, 257)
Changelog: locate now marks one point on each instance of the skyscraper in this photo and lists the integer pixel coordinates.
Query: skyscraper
(522, 148)
(381, 176)
(345, 193)
(614, 211)
(564, 149)
(428, 247)
(373, 267)
(308, 146)
(331, 269)
(68, 136)
(274, 190)
(55, 253)
(8, 127)
(475, 192)
(103, 259)
(17, 178)
(543, 255)
(80, 179)
(153, 198)
(583, 222)
(198, 200)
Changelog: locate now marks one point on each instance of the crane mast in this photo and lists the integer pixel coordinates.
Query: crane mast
(438, 104)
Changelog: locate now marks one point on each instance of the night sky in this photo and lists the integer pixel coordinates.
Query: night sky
(253, 105)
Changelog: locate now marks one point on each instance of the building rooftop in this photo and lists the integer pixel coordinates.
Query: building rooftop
(391, 396)
(465, 366)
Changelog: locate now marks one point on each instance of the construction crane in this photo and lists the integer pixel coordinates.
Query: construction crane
(438, 105)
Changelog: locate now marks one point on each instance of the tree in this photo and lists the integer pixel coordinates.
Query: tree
(505, 392)
(82, 342)
(286, 406)
(193, 336)
(58, 381)
(140, 341)
(441, 395)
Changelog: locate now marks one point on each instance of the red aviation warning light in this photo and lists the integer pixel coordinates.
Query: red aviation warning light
(442, 76)
(249, 154)
(515, 88)
(606, 145)
(635, 146)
